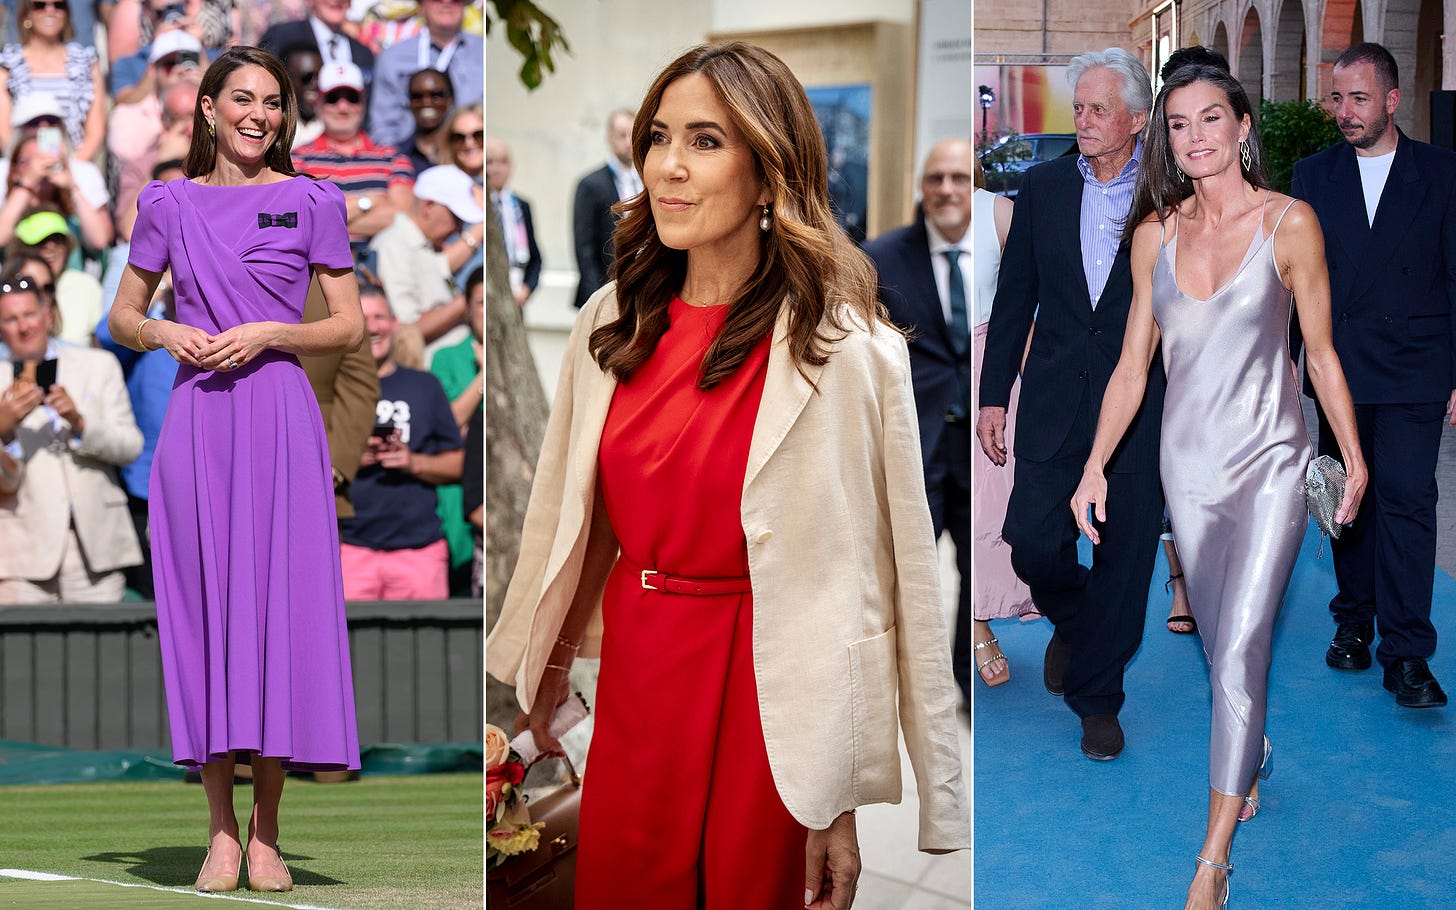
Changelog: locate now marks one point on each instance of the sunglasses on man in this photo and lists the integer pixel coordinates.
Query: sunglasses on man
(346, 95)
(185, 59)
(429, 95)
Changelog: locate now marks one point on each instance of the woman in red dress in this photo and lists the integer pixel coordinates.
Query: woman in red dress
(731, 475)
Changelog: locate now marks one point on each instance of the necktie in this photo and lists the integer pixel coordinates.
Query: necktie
(334, 49)
(960, 322)
(960, 335)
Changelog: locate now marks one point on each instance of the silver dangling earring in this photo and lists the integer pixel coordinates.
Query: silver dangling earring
(764, 220)
(1246, 156)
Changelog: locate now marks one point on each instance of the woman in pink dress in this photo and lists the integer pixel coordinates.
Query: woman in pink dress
(998, 593)
(245, 548)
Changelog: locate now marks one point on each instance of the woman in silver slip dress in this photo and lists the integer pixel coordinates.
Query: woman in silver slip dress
(1216, 255)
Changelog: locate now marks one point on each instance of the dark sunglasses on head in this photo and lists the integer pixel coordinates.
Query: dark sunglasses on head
(459, 138)
(58, 5)
(343, 94)
(18, 284)
(430, 95)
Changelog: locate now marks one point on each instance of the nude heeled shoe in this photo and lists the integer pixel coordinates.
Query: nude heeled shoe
(282, 882)
(218, 881)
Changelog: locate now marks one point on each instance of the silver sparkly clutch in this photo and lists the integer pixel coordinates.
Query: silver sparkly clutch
(1324, 490)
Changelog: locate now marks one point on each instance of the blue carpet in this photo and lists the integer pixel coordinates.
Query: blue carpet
(1360, 811)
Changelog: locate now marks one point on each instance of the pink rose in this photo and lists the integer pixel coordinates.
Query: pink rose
(497, 746)
(493, 795)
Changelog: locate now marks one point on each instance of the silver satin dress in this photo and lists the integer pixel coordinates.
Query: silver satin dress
(1234, 452)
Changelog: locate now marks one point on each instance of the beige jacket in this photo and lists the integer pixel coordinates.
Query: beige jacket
(62, 482)
(849, 643)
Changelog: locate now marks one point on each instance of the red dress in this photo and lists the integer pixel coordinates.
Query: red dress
(679, 808)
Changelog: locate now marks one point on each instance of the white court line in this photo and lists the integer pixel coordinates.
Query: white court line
(31, 875)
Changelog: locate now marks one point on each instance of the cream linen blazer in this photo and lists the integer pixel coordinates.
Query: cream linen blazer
(849, 641)
(61, 483)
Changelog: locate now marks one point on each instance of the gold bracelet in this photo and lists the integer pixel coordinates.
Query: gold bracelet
(568, 643)
(142, 344)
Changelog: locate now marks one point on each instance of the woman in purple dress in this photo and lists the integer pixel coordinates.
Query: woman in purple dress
(243, 532)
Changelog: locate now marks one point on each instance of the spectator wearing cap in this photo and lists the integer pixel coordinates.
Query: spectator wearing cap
(443, 46)
(430, 100)
(66, 530)
(77, 295)
(47, 60)
(41, 172)
(324, 27)
(155, 128)
(375, 178)
(412, 265)
(171, 50)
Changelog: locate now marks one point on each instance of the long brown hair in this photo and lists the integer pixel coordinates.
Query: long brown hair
(1161, 186)
(202, 156)
(807, 262)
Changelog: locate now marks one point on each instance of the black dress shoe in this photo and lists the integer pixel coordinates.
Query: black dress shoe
(1054, 665)
(1414, 686)
(1350, 649)
(1101, 737)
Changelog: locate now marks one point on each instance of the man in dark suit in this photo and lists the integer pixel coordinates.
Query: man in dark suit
(925, 271)
(1065, 266)
(1387, 205)
(514, 216)
(324, 29)
(592, 221)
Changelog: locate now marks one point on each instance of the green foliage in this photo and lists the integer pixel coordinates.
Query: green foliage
(532, 33)
(1291, 130)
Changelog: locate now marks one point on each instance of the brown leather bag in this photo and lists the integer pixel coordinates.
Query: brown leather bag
(543, 879)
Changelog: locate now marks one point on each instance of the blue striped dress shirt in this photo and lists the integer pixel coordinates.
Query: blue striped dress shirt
(1105, 207)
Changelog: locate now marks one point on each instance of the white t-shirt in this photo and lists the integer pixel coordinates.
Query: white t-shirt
(1373, 172)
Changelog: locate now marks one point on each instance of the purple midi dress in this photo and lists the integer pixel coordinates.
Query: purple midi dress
(245, 545)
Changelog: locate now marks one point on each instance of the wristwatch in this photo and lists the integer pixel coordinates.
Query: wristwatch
(365, 204)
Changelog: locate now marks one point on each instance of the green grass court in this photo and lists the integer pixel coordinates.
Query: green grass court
(381, 842)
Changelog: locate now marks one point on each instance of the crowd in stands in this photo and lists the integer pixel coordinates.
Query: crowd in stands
(97, 99)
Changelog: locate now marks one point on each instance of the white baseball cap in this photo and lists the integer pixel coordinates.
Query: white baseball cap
(33, 105)
(174, 42)
(340, 75)
(452, 188)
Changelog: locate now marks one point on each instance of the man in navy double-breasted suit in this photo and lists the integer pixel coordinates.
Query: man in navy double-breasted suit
(1387, 205)
(925, 279)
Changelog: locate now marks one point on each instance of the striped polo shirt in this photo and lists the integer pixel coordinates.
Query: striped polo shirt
(368, 168)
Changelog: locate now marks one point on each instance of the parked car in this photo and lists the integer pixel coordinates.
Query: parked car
(1006, 162)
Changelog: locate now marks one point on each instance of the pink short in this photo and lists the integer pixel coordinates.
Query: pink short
(395, 574)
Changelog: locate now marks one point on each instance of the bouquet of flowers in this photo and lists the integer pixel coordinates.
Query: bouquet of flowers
(508, 827)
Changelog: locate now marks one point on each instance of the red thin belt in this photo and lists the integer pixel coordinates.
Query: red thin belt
(654, 580)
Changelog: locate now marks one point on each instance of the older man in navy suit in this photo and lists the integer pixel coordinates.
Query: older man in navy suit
(1065, 266)
(1387, 205)
(925, 271)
